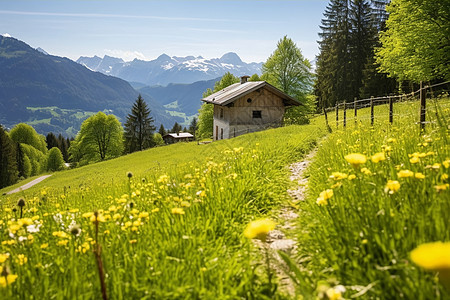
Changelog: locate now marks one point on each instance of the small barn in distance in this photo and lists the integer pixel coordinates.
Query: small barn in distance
(247, 106)
(172, 138)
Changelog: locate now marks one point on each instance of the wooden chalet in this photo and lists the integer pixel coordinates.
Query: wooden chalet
(248, 106)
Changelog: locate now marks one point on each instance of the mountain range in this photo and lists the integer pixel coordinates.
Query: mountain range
(165, 69)
(56, 94)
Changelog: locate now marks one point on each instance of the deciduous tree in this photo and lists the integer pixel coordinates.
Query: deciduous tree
(206, 111)
(55, 160)
(288, 70)
(416, 44)
(100, 137)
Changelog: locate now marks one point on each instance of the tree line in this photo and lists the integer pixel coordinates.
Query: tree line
(25, 153)
(378, 47)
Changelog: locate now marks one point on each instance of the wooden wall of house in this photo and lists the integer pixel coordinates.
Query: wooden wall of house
(270, 105)
(238, 118)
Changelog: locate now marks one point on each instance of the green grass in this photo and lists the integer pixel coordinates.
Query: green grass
(148, 250)
(362, 237)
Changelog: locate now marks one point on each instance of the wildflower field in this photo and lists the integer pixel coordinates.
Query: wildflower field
(166, 223)
(169, 223)
(377, 193)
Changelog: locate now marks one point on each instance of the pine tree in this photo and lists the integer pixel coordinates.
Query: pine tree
(345, 66)
(193, 126)
(162, 131)
(63, 145)
(176, 128)
(8, 163)
(51, 140)
(139, 127)
(20, 159)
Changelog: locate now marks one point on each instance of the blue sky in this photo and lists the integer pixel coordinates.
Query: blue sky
(146, 29)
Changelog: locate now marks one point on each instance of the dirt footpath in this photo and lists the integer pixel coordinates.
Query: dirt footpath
(28, 185)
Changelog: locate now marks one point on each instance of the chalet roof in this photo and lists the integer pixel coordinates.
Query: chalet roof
(237, 90)
(180, 135)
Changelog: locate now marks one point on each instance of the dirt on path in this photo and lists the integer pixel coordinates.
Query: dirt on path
(28, 185)
(280, 238)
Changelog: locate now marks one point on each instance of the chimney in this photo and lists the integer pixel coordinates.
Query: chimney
(244, 79)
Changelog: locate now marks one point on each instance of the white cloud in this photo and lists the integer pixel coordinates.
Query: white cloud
(125, 55)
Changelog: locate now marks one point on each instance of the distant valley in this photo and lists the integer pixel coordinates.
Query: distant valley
(56, 94)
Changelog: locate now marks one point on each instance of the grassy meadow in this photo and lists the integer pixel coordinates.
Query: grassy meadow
(168, 223)
(363, 217)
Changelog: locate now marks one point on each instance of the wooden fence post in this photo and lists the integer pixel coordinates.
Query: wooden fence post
(391, 110)
(337, 115)
(326, 119)
(371, 111)
(345, 113)
(355, 107)
(423, 104)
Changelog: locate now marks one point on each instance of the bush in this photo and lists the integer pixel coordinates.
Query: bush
(55, 160)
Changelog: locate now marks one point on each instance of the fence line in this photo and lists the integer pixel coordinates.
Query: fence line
(421, 95)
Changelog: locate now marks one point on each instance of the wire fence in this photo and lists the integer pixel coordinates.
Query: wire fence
(351, 108)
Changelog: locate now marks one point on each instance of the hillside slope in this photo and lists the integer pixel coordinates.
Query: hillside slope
(30, 78)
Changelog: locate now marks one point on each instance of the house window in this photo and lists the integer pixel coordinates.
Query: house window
(249, 100)
(221, 133)
(221, 113)
(257, 114)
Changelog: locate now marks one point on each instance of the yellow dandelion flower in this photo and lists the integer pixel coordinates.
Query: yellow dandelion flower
(336, 185)
(62, 242)
(351, 176)
(321, 201)
(327, 194)
(10, 242)
(391, 140)
(44, 246)
(178, 211)
(3, 257)
(185, 204)
(8, 279)
(338, 175)
(60, 234)
(143, 214)
(87, 215)
(133, 241)
(444, 177)
(355, 159)
(377, 157)
(419, 175)
(405, 174)
(432, 256)
(392, 186)
(259, 229)
(446, 163)
(366, 171)
(414, 160)
(335, 293)
(155, 210)
(21, 259)
(25, 221)
(442, 187)
(99, 218)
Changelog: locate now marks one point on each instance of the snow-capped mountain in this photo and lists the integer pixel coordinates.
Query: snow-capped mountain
(166, 69)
